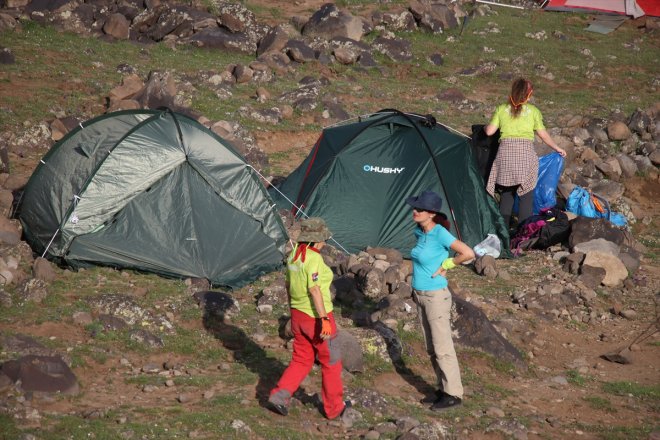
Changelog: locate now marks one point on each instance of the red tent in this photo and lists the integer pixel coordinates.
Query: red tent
(636, 8)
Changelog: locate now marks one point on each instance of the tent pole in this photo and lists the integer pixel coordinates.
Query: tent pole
(49, 243)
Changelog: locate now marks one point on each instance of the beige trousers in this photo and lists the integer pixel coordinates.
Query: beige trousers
(433, 309)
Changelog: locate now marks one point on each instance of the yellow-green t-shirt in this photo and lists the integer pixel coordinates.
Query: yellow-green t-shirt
(523, 126)
(301, 276)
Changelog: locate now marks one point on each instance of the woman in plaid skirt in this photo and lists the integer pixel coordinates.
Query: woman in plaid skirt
(516, 165)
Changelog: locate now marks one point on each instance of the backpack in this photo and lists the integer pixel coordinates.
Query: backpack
(549, 227)
(587, 204)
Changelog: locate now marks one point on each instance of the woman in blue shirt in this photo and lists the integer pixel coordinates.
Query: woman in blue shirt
(431, 261)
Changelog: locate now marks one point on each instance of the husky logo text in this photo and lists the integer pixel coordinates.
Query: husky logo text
(382, 170)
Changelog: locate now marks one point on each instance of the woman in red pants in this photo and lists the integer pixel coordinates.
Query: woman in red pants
(312, 323)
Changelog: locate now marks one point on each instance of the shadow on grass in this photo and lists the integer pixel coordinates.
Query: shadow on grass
(395, 350)
(217, 306)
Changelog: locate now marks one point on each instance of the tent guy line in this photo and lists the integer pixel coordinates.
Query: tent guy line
(298, 208)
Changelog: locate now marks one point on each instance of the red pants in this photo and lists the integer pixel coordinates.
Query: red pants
(308, 345)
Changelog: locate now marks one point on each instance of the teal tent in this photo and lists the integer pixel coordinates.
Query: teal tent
(155, 191)
(359, 174)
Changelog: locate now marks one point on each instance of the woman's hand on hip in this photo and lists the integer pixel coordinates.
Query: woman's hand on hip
(440, 271)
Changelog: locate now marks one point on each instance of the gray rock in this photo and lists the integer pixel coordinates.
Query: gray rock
(591, 276)
(618, 131)
(274, 41)
(111, 322)
(643, 163)
(433, 17)
(6, 55)
(329, 21)
(147, 338)
(394, 48)
(224, 39)
(82, 318)
(486, 265)
(608, 189)
(351, 351)
(299, 51)
(655, 158)
(627, 165)
(43, 270)
(597, 245)
(34, 290)
(610, 167)
(42, 374)
(474, 329)
(584, 229)
(405, 424)
(371, 282)
(615, 270)
(117, 26)
(630, 258)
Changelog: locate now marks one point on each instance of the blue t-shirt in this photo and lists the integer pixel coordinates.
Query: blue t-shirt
(431, 250)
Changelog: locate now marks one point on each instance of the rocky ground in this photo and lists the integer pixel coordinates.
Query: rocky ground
(565, 346)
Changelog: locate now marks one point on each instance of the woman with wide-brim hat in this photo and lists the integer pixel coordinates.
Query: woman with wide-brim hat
(313, 325)
(431, 261)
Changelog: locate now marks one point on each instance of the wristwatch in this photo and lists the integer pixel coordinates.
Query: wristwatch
(325, 318)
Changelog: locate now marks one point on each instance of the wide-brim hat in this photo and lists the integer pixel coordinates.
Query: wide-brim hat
(427, 201)
(313, 230)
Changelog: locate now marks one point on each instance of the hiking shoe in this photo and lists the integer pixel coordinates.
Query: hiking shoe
(431, 398)
(347, 404)
(444, 402)
(278, 408)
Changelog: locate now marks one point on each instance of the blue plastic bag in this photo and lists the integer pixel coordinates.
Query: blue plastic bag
(550, 167)
(580, 202)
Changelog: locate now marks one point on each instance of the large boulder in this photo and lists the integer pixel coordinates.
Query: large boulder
(584, 229)
(352, 357)
(329, 22)
(41, 374)
(433, 17)
(473, 329)
(615, 270)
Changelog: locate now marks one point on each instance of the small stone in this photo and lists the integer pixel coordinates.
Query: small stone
(169, 383)
(149, 388)
(184, 398)
(628, 314)
(494, 411)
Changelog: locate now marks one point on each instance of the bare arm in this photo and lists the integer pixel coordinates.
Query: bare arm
(463, 253)
(490, 129)
(317, 301)
(545, 137)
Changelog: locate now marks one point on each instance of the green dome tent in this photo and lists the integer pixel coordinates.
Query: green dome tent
(156, 191)
(359, 174)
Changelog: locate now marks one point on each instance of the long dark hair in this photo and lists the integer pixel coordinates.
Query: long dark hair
(521, 90)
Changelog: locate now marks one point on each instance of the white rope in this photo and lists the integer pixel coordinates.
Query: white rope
(298, 208)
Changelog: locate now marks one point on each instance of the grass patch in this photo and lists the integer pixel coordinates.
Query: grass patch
(636, 390)
(599, 403)
(612, 432)
(575, 378)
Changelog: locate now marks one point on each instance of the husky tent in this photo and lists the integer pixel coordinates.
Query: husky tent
(156, 191)
(359, 174)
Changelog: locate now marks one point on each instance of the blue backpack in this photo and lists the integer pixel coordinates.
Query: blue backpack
(584, 203)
